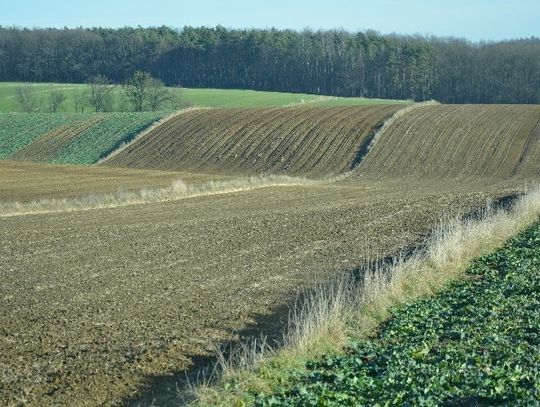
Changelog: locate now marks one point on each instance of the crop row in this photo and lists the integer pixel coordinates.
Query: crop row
(68, 138)
(289, 140)
(460, 140)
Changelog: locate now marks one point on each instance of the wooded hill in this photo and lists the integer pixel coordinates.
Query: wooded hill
(339, 63)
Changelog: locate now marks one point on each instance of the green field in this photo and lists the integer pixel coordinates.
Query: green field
(474, 344)
(194, 97)
(68, 138)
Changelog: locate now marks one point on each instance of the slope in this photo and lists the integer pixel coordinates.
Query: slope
(493, 141)
(299, 140)
(68, 138)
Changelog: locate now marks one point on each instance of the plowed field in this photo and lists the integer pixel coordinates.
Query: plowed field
(25, 182)
(307, 141)
(495, 141)
(95, 304)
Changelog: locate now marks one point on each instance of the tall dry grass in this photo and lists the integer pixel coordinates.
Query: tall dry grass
(177, 191)
(353, 306)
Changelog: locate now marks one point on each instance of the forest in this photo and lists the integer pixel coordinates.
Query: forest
(331, 62)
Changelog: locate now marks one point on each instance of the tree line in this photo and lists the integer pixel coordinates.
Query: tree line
(141, 91)
(332, 62)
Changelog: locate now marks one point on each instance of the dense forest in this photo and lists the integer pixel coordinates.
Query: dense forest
(331, 62)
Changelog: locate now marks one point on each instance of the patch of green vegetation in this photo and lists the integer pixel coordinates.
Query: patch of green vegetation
(195, 97)
(105, 136)
(476, 343)
(17, 130)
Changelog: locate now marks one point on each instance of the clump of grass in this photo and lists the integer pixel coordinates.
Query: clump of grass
(352, 307)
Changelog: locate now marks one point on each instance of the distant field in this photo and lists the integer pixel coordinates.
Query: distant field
(195, 97)
(69, 138)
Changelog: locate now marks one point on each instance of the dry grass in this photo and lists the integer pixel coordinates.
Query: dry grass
(178, 190)
(353, 307)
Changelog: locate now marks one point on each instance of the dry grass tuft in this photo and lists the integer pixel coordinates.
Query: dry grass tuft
(353, 306)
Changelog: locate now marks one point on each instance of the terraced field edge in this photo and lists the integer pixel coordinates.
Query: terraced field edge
(352, 308)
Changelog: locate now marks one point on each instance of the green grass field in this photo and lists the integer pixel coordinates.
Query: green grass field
(194, 97)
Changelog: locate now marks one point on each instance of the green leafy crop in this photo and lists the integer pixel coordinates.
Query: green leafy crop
(477, 343)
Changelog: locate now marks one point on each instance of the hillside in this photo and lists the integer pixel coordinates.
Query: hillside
(68, 138)
(499, 141)
(307, 141)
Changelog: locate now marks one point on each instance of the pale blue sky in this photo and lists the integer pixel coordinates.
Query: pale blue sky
(472, 19)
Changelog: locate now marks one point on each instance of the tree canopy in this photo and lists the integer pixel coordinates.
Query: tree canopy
(332, 62)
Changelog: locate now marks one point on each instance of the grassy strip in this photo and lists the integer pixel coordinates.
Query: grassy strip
(177, 191)
(477, 342)
(190, 96)
(349, 311)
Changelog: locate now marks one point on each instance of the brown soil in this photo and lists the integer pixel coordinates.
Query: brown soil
(498, 141)
(297, 141)
(25, 182)
(95, 304)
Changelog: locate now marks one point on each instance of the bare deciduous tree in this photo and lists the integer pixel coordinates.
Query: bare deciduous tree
(157, 94)
(56, 98)
(80, 100)
(136, 89)
(25, 99)
(100, 96)
(144, 91)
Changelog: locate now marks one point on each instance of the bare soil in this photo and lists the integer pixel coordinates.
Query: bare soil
(310, 141)
(95, 304)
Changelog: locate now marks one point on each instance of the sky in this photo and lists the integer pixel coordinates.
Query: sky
(475, 20)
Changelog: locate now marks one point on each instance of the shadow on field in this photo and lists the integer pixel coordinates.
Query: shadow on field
(174, 389)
